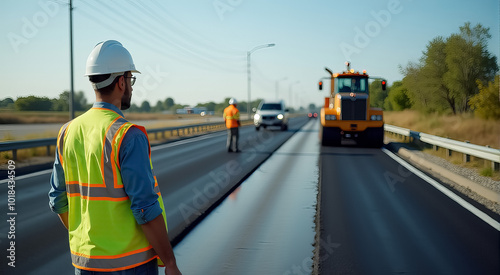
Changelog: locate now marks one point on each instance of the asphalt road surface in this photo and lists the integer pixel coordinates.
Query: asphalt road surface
(266, 226)
(376, 216)
(383, 219)
(193, 174)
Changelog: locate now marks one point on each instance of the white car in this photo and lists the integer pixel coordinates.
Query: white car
(271, 113)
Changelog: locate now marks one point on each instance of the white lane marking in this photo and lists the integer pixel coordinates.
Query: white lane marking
(43, 172)
(190, 140)
(480, 214)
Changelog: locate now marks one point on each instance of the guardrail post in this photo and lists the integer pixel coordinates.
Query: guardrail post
(466, 156)
(449, 152)
(48, 150)
(14, 154)
(495, 166)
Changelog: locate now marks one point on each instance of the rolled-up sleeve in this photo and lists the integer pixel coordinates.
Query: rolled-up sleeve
(58, 201)
(137, 176)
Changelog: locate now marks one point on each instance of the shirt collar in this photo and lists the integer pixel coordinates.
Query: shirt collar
(106, 105)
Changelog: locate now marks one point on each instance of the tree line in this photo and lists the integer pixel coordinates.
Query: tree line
(36, 103)
(454, 75)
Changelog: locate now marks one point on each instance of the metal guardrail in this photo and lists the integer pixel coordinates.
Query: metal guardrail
(468, 149)
(465, 148)
(25, 144)
(48, 142)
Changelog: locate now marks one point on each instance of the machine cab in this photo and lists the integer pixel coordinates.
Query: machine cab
(350, 84)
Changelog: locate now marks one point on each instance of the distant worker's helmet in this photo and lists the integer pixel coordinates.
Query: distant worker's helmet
(109, 57)
(232, 101)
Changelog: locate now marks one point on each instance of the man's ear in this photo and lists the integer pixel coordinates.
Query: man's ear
(121, 82)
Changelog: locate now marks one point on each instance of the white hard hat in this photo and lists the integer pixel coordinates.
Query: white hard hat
(109, 57)
(232, 101)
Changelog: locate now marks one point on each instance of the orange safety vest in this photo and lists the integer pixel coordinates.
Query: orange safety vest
(231, 116)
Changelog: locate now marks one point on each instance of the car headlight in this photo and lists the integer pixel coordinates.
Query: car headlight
(330, 117)
(280, 116)
(376, 117)
(256, 116)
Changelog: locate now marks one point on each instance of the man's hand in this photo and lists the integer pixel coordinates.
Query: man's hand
(157, 235)
(64, 219)
(172, 270)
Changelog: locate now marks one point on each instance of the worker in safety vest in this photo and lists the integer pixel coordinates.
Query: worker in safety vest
(232, 119)
(102, 185)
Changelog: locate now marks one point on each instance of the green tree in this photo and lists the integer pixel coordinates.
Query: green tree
(445, 77)
(145, 107)
(33, 103)
(159, 106)
(468, 60)
(133, 108)
(62, 103)
(209, 105)
(424, 80)
(398, 99)
(432, 76)
(6, 103)
(377, 95)
(486, 104)
(169, 103)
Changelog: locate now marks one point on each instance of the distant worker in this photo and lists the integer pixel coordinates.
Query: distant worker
(102, 185)
(232, 119)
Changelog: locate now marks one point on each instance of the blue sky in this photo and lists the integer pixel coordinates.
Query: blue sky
(195, 51)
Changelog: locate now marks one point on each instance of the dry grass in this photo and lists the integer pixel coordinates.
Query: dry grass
(459, 127)
(32, 117)
(13, 117)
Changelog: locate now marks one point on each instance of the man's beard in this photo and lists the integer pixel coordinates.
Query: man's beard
(127, 97)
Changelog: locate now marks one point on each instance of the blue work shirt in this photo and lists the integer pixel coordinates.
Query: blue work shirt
(137, 176)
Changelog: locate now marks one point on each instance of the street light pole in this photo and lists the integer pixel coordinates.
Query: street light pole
(71, 92)
(248, 74)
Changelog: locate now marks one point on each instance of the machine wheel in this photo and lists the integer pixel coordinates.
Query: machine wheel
(257, 128)
(330, 136)
(284, 127)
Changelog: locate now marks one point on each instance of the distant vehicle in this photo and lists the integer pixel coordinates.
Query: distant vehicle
(347, 112)
(271, 113)
(312, 115)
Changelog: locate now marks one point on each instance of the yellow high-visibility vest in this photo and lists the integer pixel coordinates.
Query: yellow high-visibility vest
(103, 233)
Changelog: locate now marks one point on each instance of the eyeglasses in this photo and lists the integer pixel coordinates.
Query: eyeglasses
(132, 81)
